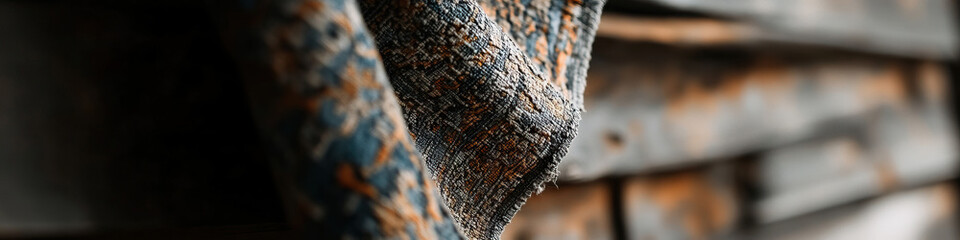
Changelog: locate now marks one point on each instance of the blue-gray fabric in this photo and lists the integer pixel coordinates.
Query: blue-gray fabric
(414, 119)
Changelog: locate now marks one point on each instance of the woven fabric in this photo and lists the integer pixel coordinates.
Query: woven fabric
(490, 121)
(331, 117)
(490, 92)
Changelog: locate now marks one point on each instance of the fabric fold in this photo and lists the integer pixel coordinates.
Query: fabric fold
(328, 113)
(491, 122)
(490, 94)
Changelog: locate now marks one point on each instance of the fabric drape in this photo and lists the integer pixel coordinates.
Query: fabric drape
(420, 119)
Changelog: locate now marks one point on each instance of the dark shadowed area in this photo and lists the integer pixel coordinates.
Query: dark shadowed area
(123, 116)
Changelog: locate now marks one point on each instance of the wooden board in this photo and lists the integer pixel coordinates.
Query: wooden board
(651, 107)
(913, 28)
(690, 204)
(568, 212)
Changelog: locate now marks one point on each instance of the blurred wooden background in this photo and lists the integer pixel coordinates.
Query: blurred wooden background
(747, 119)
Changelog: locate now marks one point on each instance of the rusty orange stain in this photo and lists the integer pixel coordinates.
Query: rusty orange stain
(887, 176)
(688, 198)
(885, 85)
(932, 81)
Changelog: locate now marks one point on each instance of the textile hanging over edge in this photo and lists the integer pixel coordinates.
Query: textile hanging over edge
(491, 92)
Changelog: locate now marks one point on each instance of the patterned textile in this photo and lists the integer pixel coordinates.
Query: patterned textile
(491, 93)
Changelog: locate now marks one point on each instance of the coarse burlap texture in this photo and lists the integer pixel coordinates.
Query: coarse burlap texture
(350, 95)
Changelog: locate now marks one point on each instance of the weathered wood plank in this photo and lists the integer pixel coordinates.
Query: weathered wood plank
(900, 146)
(924, 213)
(690, 204)
(677, 31)
(919, 28)
(567, 212)
(651, 107)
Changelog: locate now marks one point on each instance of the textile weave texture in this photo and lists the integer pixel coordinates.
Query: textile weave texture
(413, 119)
